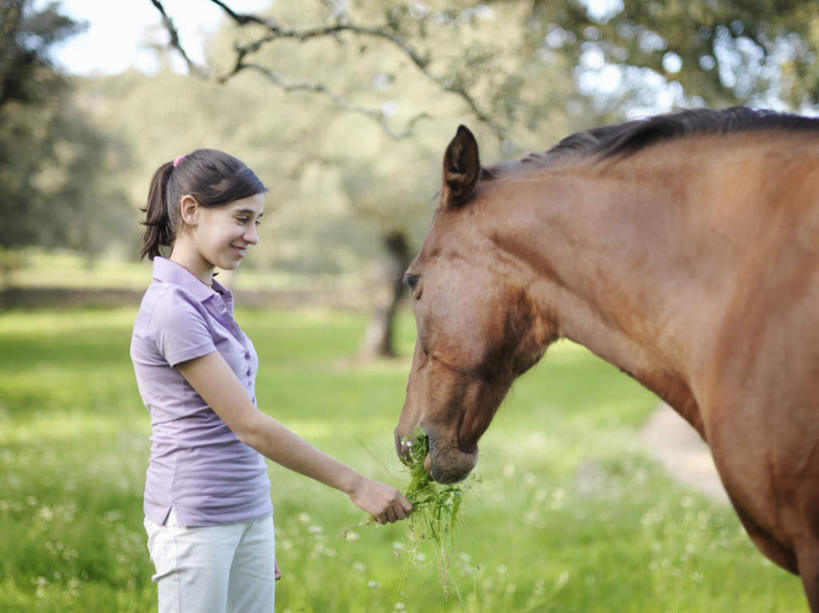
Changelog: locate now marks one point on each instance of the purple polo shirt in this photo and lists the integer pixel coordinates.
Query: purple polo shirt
(198, 465)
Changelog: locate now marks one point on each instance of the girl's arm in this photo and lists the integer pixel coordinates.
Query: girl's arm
(216, 383)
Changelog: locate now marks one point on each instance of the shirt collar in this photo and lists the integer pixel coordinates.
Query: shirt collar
(167, 271)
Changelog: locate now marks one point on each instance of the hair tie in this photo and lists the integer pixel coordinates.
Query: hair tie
(178, 160)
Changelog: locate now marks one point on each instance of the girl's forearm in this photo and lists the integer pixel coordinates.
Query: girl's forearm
(275, 441)
(213, 379)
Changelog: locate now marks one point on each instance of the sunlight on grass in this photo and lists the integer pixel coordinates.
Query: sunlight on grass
(45, 322)
(66, 426)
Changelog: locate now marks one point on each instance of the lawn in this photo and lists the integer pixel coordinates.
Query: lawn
(568, 513)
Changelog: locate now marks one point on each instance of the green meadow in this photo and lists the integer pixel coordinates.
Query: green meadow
(566, 513)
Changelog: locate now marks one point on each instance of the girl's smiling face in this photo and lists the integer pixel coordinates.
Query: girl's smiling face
(218, 236)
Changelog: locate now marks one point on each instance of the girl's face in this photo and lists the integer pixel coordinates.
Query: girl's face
(219, 236)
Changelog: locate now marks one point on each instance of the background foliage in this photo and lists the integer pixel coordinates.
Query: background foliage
(348, 128)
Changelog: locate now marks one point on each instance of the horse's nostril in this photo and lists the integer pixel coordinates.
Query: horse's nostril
(405, 451)
(412, 449)
(403, 448)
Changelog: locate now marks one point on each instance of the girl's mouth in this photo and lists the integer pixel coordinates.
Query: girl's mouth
(239, 251)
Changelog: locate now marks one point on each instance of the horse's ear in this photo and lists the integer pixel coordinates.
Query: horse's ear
(461, 169)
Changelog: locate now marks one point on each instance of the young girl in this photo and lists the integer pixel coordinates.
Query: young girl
(207, 504)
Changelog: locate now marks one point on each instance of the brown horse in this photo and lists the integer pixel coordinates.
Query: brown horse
(684, 249)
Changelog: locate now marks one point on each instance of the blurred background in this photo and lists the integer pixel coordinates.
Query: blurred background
(344, 109)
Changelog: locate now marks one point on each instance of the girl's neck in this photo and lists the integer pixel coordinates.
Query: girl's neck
(193, 263)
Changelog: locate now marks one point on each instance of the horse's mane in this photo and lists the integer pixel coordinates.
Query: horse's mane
(632, 136)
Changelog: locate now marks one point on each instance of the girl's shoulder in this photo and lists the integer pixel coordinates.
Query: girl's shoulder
(168, 305)
(172, 325)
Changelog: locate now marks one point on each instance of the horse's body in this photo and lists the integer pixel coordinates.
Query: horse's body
(685, 251)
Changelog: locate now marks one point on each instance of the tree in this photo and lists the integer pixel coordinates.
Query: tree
(53, 180)
(716, 53)
(26, 37)
(80, 201)
(27, 83)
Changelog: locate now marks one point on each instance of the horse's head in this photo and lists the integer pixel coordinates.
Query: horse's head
(478, 328)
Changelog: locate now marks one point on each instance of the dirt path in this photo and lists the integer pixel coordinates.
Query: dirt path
(677, 446)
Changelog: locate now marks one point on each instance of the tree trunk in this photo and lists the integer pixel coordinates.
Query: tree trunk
(386, 293)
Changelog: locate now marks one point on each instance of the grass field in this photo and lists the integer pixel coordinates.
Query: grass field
(568, 513)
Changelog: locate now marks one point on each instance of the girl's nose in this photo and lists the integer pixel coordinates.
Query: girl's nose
(251, 235)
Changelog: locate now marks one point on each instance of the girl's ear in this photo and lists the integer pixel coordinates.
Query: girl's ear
(189, 210)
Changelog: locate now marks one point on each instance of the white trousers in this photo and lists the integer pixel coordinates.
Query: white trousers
(213, 569)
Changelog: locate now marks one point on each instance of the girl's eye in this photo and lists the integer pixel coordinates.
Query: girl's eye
(242, 220)
(258, 222)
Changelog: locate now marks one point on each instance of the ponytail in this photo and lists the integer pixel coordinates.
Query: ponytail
(159, 230)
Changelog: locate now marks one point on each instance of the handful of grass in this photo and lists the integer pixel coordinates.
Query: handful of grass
(435, 509)
(435, 506)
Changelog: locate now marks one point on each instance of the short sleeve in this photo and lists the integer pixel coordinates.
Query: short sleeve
(180, 329)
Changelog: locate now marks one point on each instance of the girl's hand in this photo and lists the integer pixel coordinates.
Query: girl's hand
(382, 501)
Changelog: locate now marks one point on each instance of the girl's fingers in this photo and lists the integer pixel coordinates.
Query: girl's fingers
(406, 505)
(388, 516)
(390, 505)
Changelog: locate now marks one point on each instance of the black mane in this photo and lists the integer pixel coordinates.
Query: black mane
(632, 136)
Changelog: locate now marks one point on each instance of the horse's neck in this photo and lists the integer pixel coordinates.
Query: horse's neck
(644, 260)
(616, 270)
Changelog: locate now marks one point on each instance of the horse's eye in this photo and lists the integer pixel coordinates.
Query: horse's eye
(411, 280)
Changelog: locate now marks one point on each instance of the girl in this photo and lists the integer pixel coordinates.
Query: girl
(207, 504)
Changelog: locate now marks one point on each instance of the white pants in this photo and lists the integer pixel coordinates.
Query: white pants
(213, 569)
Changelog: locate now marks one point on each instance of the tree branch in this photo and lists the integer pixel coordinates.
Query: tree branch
(376, 115)
(276, 32)
(175, 42)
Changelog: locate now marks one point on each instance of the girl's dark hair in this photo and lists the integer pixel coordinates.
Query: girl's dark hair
(212, 177)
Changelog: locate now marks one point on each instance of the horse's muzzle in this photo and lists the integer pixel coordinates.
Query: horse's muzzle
(449, 464)
(443, 463)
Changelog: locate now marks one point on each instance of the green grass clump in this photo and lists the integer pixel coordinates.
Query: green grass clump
(435, 507)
